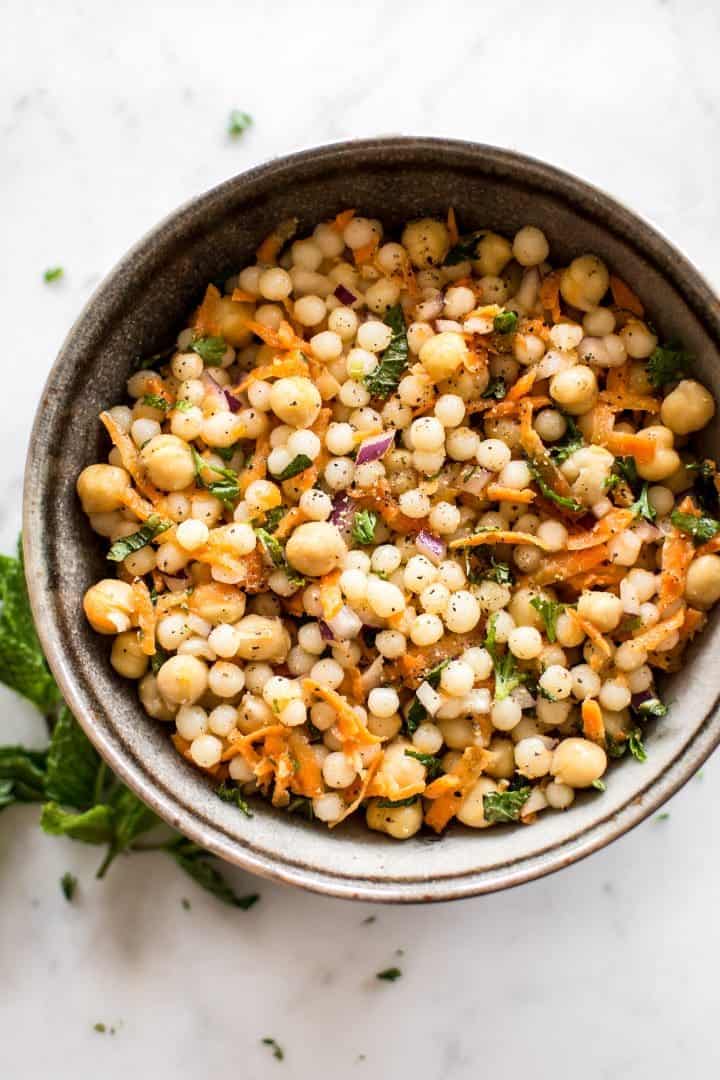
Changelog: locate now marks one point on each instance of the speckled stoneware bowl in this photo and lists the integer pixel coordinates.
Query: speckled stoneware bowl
(137, 311)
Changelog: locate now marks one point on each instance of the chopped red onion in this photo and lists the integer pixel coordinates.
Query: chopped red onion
(430, 545)
(373, 675)
(642, 696)
(325, 632)
(176, 583)
(343, 511)
(647, 532)
(375, 447)
(344, 295)
(476, 482)
(522, 696)
(222, 395)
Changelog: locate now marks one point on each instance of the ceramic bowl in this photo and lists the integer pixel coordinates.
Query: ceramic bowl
(136, 311)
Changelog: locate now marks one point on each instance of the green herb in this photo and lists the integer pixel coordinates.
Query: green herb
(226, 489)
(158, 659)
(599, 785)
(496, 389)
(277, 1050)
(506, 322)
(383, 380)
(653, 708)
(276, 554)
(233, 795)
(53, 274)
(662, 817)
(302, 806)
(22, 664)
(667, 364)
(431, 763)
(299, 464)
(415, 716)
(155, 401)
(194, 861)
(507, 676)
(211, 349)
(616, 748)
(274, 517)
(465, 248)
(389, 974)
(499, 572)
(625, 469)
(501, 806)
(100, 1028)
(642, 507)
(391, 804)
(701, 529)
(629, 624)
(369, 920)
(126, 545)
(238, 123)
(184, 405)
(550, 493)
(636, 746)
(548, 610)
(571, 441)
(705, 486)
(82, 799)
(363, 526)
(68, 884)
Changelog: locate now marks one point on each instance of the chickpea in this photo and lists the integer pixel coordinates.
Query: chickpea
(443, 354)
(472, 808)
(218, 603)
(169, 462)
(101, 488)
(182, 680)
(109, 606)
(585, 281)
(492, 254)
(151, 701)
(296, 400)
(603, 609)
(501, 765)
(689, 407)
(231, 318)
(262, 637)
(315, 548)
(578, 762)
(427, 242)
(127, 657)
(666, 461)
(702, 586)
(638, 340)
(575, 389)
(400, 822)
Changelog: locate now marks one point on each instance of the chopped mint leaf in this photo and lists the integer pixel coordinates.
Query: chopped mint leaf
(502, 806)
(496, 389)
(233, 795)
(431, 763)
(382, 381)
(599, 785)
(68, 884)
(548, 611)
(126, 545)
(507, 676)
(238, 123)
(363, 526)
(389, 974)
(226, 489)
(155, 401)
(549, 493)
(701, 529)
(277, 1050)
(571, 441)
(299, 464)
(193, 860)
(183, 405)
(390, 804)
(642, 507)
(210, 349)
(465, 248)
(54, 273)
(662, 817)
(636, 746)
(506, 322)
(667, 364)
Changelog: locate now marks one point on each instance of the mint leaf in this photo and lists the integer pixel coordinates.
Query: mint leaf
(155, 401)
(68, 884)
(389, 974)
(363, 526)
(53, 274)
(431, 763)
(549, 493)
(22, 665)
(211, 349)
(506, 322)
(466, 248)
(233, 795)
(701, 529)
(507, 676)
(72, 764)
(635, 743)
(94, 826)
(384, 379)
(22, 775)
(502, 806)
(642, 507)
(277, 1050)
(667, 364)
(548, 611)
(571, 441)
(126, 545)
(299, 464)
(227, 489)
(238, 123)
(496, 389)
(193, 860)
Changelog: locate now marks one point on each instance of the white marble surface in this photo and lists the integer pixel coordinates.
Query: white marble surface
(112, 114)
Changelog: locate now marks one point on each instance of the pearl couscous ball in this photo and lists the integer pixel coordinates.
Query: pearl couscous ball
(406, 525)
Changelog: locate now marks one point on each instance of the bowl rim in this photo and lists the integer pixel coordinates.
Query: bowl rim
(645, 800)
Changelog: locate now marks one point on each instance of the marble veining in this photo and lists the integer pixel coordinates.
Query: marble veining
(110, 116)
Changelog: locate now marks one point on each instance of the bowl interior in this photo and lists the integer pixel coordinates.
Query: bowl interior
(138, 310)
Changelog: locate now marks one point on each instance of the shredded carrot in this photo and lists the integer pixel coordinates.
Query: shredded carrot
(603, 651)
(678, 551)
(566, 565)
(615, 522)
(622, 443)
(497, 536)
(257, 470)
(282, 338)
(387, 787)
(550, 295)
(242, 744)
(593, 726)
(604, 576)
(498, 493)
(602, 424)
(656, 635)
(349, 725)
(522, 387)
(274, 242)
(694, 622)
(448, 796)
(359, 792)
(243, 295)
(143, 510)
(279, 369)
(624, 297)
(307, 778)
(364, 254)
(628, 401)
(342, 220)
(290, 521)
(130, 457)
(145, 615)
(331, 599)
(207, 315)
(452, 227)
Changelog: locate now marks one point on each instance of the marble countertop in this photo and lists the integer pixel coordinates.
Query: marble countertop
(110, 116)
